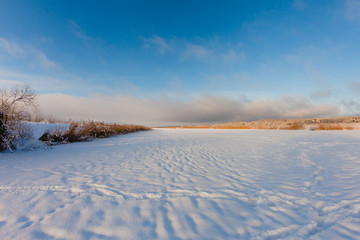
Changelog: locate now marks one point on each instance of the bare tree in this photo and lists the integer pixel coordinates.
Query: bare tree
(15, 105)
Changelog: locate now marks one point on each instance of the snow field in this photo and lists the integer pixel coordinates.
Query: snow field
(186, 184)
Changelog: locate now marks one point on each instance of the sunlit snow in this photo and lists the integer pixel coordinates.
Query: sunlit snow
(186, 184)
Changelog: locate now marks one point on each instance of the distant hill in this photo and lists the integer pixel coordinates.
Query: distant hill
(341, 123)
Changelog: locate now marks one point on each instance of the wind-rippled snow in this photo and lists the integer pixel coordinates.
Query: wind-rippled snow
(186, 184)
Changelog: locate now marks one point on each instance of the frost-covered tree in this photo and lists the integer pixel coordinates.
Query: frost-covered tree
(15, 105)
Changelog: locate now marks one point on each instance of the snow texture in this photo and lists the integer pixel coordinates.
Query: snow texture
(39, 129)
(186, 184)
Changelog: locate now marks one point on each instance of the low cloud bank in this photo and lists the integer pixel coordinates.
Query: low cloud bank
(166, 112)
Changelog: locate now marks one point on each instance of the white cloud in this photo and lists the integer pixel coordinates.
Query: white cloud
(44, 61)
(10, 48)
(193, 51)
(157, 42)
(28, 54)
(207, 108)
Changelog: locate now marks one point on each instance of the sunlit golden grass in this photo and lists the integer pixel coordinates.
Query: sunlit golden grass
(232, 127)
(323, 127)
(213, 127)
(293, 126)
(88, 130)
(314, 124)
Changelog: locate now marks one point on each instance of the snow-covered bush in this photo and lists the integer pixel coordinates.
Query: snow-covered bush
(15, 106)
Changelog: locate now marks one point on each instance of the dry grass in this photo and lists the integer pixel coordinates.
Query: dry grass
(85, 131)
(217, 127)
(233, 127)
(294, 126)
(250, 125)
(323, 127)
(344, 123)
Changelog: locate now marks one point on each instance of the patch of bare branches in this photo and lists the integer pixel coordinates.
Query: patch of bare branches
(15, 105)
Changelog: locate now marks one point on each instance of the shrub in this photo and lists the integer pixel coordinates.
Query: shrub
(85, 131)
(15, 106)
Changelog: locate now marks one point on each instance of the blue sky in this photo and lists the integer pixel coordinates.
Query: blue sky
(174, 62)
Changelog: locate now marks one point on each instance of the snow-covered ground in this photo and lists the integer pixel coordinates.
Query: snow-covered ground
(186, 184)
(38, 129)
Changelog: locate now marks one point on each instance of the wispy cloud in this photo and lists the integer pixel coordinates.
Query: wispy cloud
(231, 55)
(10, 48)
(77, 30)
(203, 109)
(158, 43)
(26, 53)
(184, 50)
(194, 51)
(44, 61)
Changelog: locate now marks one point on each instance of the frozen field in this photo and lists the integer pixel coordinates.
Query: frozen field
(186, 184)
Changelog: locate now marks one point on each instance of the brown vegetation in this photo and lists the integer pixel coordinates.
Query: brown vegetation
(86, 131)
(323, 126)
(294, 126)
(314, 124)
